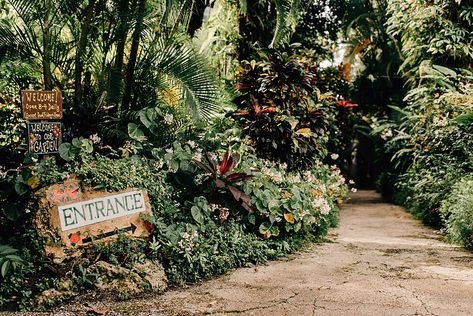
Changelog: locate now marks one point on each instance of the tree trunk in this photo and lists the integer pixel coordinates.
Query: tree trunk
(117, 71)
(129, 79)
(80, 51)
(47, 75)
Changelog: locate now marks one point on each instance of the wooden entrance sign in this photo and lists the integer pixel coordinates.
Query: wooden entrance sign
(81, 217)
(41, 105)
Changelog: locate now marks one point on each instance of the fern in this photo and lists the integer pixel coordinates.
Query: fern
(286, 21)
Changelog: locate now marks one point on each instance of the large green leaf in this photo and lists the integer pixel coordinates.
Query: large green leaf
(135, 133)
(197, 214)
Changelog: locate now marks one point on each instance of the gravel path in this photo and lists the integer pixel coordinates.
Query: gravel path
(380, 262)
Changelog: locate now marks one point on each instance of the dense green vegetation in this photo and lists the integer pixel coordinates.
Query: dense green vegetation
(426, 140)
(223, 112)
(230, 132)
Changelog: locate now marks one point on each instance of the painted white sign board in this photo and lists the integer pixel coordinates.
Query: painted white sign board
(101, 209)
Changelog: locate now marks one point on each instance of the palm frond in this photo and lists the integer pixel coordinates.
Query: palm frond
(198, 83)
(25, 8)
(287, 14)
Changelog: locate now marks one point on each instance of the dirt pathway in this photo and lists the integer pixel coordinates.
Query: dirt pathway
(381, 262)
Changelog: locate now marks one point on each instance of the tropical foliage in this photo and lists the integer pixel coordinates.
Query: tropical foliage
(429, 143)
(241, 119)
(228, 129)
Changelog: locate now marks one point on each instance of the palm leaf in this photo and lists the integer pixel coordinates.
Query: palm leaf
(199, 84)
(287, 14)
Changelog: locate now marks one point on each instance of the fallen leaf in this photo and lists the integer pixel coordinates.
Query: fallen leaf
(33, 182)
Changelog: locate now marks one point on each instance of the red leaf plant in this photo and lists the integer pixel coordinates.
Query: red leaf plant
(224, 177)
(346, 104)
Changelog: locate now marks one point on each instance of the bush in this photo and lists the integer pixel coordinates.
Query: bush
(457, 213)
(430, 146)
(289, 202)
(12, 129)
(426, 186)
(198, 255)
(211, 231)
(281, 109)
(200, 226)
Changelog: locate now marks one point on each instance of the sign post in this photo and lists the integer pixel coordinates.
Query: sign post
(41, 105)
(43, 137)
(80, 217)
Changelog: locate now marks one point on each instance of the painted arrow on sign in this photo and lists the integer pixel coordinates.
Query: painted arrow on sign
(131, 228)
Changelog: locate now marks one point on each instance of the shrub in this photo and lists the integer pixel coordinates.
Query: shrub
(12, 128)
(104, 173)
(426, 186)
(200, 226)
(196, 255)
(288, 202)
(20, 270)
(457, 213)
(281, 109)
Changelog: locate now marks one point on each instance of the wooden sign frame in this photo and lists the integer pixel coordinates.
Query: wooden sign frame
(70, 204)
(41, 105)
(44, 137)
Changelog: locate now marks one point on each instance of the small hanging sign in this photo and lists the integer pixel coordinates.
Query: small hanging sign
(44, 137)
(41, 105)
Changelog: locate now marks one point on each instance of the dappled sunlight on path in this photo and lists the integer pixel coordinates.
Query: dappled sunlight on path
(380, 261)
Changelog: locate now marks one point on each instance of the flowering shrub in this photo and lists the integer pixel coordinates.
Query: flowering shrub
(212, 210)
(287, 202)
(280, 201)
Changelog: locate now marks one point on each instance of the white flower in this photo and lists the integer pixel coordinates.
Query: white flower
(158, 164)
(351, 182)
(294, 178)
(213, 156)
(169, 150)
(213, 207)
(199, 179)
(325, 209)
(3, 172)
(353, 190)
(197, 156)
(168, 119)
(191, 143)
(334, 156)
(95, 138)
